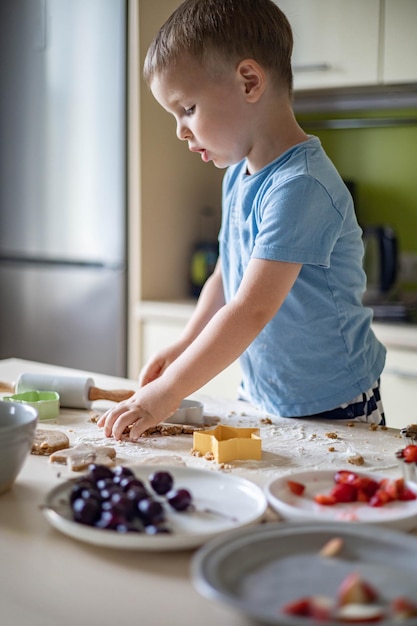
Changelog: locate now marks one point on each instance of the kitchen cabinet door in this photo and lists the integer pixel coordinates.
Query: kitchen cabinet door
(399, 387)
(335, 42)
(400, 42)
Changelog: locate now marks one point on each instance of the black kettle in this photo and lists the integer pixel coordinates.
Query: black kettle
(380, 261)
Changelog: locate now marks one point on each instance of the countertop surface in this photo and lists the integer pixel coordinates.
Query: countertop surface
(49, 579)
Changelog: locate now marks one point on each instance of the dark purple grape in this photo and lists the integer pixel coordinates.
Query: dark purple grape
(179, 499)
(161, 482)
(136, 493)
(86, 511)
(157, 529)
(99, 472)
(111, 520)
(120, 471)
(123, 503)
(128, 527)
(127, 482)
(151, 511)
(107, 488)
(83, 489)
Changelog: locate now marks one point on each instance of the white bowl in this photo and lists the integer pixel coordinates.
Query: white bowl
(17, 432)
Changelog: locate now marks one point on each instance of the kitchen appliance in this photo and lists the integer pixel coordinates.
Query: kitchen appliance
(380, 263)
(205, 252)
(62, 183)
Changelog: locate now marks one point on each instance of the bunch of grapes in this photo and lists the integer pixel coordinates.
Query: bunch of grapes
(115, 499)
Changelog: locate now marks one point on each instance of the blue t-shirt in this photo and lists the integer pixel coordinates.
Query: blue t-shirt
(319, 350)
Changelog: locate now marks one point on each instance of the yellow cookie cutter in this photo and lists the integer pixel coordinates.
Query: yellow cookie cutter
(228, 443)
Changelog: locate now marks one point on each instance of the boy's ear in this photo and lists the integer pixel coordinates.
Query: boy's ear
(252, 78)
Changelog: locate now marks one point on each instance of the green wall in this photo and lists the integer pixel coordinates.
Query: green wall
(382, 161)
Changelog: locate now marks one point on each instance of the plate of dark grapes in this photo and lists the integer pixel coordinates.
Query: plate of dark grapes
(148, 508)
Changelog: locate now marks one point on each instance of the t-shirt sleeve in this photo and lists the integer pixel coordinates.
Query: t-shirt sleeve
(297, 223)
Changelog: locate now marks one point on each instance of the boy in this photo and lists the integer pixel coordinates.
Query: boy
(285, 296)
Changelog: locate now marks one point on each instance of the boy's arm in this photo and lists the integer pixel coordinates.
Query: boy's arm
(224, 337)
(210, 301)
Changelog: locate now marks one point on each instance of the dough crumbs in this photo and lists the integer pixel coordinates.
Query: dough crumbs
(170, 430)
(265, 420)
(373, 427)
(331, 435)
(209, 456)
(350, 424)
(332, 449)
(195, 452)
(94, 416)
(225, 466)
(356, 459)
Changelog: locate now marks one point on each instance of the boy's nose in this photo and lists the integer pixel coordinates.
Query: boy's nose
(183, 132)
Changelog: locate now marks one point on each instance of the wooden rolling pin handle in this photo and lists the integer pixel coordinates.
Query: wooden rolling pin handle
(116, 395)
(7, 387)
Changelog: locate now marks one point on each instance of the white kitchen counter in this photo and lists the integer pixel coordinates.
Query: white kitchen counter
(49, 579)
(397, 335)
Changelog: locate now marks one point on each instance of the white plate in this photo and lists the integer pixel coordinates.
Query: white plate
(258, 570)
(237, 501)
(397, 515)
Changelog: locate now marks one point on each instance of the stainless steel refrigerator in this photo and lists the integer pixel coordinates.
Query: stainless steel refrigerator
(63, 182)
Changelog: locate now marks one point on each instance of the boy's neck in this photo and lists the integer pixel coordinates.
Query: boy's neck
(276, 132)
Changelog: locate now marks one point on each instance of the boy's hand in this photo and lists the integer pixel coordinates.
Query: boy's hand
(132, 413)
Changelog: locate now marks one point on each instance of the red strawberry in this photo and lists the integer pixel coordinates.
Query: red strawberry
(295, 487)
(407, 494)
(410, 454)
(324, 498)
(394, 487)
(380, 498)
(297, 607)
(344, 492)
(403, 608)
(345, 476)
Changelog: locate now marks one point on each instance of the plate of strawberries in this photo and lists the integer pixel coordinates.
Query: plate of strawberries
(345, 496)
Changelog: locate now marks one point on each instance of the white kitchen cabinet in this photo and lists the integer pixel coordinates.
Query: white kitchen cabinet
(399, 387)
(355, 43)
(400, 42)
(335, 42)
(399, 378)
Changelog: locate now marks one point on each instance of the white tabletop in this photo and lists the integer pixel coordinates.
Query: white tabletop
(49, 579)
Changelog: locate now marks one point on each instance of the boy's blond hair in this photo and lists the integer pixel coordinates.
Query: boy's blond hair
(225, 31)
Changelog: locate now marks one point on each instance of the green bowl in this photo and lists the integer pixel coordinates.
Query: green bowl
(45, 402)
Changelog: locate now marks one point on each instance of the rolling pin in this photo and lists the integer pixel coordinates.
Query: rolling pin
(74, 392)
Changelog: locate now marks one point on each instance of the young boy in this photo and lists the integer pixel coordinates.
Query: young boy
(286, 293)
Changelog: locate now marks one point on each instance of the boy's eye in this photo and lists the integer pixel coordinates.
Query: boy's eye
(190, 110)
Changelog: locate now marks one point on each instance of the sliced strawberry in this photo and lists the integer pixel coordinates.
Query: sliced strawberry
(321, 608)
(295, 487)
(344, 492)
(316, 607)
(394, 487)
(367, 485)
(380, 498)
(407, 494)
(297, 607)
(345, 476)
(324, 498)
(403, 608)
